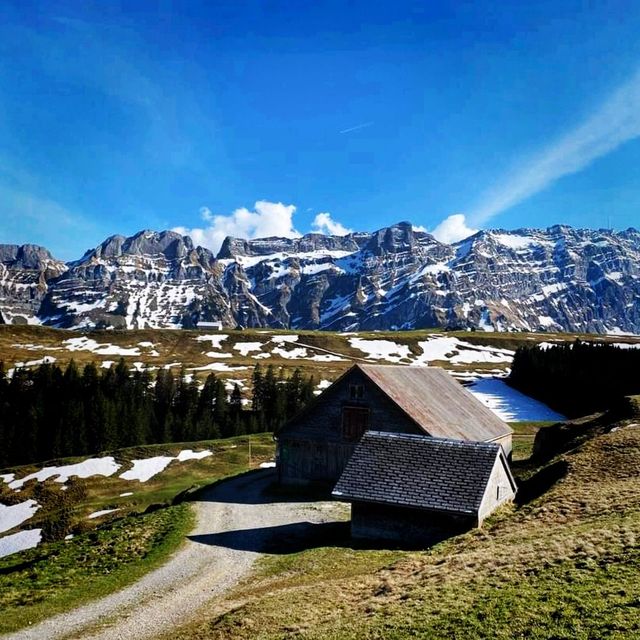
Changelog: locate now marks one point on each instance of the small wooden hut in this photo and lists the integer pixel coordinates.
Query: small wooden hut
(315, 446)
(417, 489)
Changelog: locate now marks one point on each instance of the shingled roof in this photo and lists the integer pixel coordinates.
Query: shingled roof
(437, 402)
(421, 472)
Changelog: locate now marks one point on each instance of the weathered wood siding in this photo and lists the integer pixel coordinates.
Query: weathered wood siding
(312, 447)
(404, 526)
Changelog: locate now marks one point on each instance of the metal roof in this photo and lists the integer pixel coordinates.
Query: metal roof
(420, 472)
(437, 402)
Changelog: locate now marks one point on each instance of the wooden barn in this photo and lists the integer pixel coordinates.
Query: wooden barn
(315, 446)
(417, 489)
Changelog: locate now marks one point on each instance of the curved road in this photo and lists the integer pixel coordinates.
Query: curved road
(237, 520)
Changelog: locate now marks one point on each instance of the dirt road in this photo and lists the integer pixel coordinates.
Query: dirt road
(237, 521)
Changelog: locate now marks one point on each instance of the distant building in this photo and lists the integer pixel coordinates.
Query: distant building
(315, 446)
(217, 325)
(409, 488)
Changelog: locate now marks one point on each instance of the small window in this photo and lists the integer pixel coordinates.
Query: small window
(356, 391)
(355, 421)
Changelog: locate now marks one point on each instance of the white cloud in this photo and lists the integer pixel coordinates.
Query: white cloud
(267, 219)
(206, 214)
(323, 223)
(452, 229)
(614, 123)
(420, 228)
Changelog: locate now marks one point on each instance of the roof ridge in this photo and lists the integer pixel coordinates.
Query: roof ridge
(431, 439)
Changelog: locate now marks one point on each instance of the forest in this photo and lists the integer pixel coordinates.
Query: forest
(577, 378)
(49, 412)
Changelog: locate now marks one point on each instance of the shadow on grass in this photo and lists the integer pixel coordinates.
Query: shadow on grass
(281, 539)
(302, 536)
(259, 486)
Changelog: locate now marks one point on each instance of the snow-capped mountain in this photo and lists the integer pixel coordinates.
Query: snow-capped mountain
(395, 278)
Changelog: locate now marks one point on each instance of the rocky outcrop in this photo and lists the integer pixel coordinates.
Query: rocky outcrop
(25, 271)
(559, 279)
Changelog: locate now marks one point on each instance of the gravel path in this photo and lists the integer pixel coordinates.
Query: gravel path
(236, 522)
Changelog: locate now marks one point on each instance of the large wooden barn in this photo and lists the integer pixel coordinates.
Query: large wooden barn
(417, 489)
(315, 446)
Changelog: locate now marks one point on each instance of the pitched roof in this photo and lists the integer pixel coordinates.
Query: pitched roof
(437, 402)
(419, 472)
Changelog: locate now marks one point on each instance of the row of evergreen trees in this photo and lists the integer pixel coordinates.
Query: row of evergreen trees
(50, 412)
(577, 378)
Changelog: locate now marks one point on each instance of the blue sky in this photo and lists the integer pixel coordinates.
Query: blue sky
(117, 116)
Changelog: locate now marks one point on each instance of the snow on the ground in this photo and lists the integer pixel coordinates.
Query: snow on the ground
(145, 469)
(105, 466)
(215, 340)
(189, 454)
(218, 354)
(322, 385)
(148, 345)
(281, 339)
(457, 351)
(20, 541)
(126, 494)
(514, 241)
(245, 348)
(105, 349)
(381, 349)
(298, 353)
(218, 366)
(35, 363)
(261, 356)
(7, 477)
(326, 357)
(99, 514)
(13, 515)
(509, 404)
(267, 465)
(106, 364)
(626, 345)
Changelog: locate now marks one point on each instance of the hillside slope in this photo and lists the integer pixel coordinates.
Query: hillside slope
(566, 565)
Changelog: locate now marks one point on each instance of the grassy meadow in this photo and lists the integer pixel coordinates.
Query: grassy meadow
(107, 553)
(565, 565)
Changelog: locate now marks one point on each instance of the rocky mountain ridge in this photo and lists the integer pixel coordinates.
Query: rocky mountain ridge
(557, 279)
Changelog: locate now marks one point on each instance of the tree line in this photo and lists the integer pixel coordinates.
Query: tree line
(577, 378)
(49, 412)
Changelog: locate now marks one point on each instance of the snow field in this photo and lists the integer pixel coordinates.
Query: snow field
(14, 515)
(381, 349)
(509, 404)
(99, 514)
(215, 340)
(106, 466)
(245, 348)
(20, 541)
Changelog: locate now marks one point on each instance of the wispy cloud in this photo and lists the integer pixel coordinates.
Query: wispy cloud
(616, 121)
(357, 127)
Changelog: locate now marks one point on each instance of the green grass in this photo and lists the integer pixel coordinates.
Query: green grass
(84, 496)
(524, 434)
(566, 565)
(59, 576)
(181, 347)
(108, 553)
